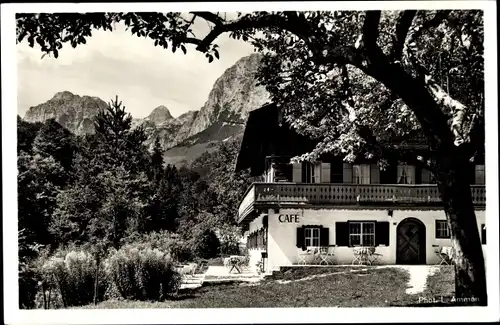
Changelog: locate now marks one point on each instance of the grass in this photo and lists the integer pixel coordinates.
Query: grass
(440, 291)
(371, 288)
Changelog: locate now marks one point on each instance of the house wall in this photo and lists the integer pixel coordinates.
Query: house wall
(325, 171)
(282, 249)
(256, 253)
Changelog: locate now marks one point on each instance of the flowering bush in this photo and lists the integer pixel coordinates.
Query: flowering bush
(142, 273)
(73, 273)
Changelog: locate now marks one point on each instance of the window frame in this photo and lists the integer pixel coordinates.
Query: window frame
(479, 169)
(406, 171)
(311, 236)
(362, 233)
(446, 230)
(361, 168)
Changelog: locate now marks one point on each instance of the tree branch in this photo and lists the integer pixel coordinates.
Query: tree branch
(414, 32)
(241, 24)
(209, 16)
(402, 27)
(370, 29)
(455, 109)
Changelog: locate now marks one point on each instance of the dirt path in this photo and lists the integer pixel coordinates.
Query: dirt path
(418, 277)
(320, 276)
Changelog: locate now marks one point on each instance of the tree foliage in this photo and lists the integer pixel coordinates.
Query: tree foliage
(354, 80)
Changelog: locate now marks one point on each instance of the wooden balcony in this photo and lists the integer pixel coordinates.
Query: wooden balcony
(292, 194)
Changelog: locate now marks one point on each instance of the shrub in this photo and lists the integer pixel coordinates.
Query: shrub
(27, 272)
(167, 242)
(229, 236)
(142, 273)
(73, 273)
(27, 288)
(205, 243)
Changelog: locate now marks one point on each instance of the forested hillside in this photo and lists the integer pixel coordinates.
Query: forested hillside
(100, 192)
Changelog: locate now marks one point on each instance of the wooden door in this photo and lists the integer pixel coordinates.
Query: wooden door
(410, 242)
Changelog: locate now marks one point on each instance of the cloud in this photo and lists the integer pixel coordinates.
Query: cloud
(117, 63)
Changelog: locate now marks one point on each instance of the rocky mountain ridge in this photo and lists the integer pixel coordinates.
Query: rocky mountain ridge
(74, 112)
(223, 115)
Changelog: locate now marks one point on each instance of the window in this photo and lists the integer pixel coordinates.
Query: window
(480, 176)
(442, 229)
(361, 174)
(483, 234)
(406, 174)
(311, 237)
(427, 177)
(257, 239)
(362, 234)
(311, 173)
(336, 171)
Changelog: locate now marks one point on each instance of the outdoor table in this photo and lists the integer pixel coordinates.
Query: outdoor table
(234, 262)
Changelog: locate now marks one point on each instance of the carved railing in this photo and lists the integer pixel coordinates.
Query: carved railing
(346, 194)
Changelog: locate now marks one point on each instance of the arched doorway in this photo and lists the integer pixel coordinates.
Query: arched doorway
(410, 242)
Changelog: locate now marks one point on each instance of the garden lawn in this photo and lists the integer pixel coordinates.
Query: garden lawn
(371, 288)
(440, 291)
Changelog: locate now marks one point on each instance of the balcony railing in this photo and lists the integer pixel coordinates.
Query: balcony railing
(345, 194)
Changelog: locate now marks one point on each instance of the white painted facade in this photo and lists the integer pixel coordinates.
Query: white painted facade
(256, 253)
(282, 236)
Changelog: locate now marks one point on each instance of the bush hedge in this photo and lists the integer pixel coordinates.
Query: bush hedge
(142, 273)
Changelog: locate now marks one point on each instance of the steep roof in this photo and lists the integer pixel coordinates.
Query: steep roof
(264, 137)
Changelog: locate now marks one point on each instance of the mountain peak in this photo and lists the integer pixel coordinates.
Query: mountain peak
(63, 95)
(160, 114)
(72, 111)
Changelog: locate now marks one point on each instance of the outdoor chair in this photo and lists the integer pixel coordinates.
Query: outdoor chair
(374, 257)
(362, 255)
(302, 257)
(325, 255)
(443, 256)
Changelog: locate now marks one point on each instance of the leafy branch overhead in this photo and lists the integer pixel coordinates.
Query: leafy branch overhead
(353, 80)
(440, 52)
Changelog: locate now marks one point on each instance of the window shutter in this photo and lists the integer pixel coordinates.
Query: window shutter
(411, 174)
(374, 174)
(336, 170)
(342, 233)
(347, 173)
(304, 172)
(324, 239)
(317, 173)
(436, 229)
(426, 176)
(389, 176)
(300, 237)
(265, 220)
(382, 233)
(297, 172)
(325, 172)
(418, 175)
(479, 175)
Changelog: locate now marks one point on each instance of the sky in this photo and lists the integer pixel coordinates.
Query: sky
(117, 63)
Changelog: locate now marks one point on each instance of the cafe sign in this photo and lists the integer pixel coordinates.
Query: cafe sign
(288, 218)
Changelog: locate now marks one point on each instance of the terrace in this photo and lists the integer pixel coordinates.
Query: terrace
(269, 195)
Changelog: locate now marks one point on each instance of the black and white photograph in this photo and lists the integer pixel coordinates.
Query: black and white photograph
(206, 162)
